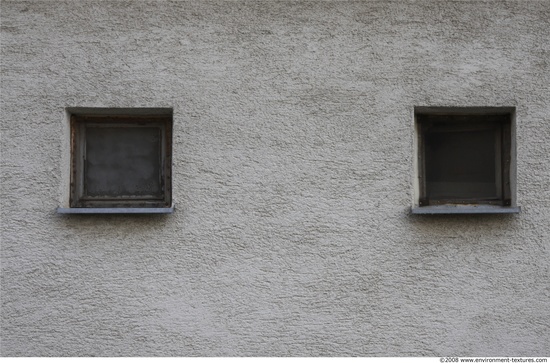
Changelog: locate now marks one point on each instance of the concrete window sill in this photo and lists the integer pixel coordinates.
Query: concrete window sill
(465, 209)
(115, 210)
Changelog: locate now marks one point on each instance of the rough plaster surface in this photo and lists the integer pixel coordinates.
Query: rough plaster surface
(293, 179)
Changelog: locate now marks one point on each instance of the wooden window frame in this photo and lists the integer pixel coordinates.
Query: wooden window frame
(78, 197)
(440, 120)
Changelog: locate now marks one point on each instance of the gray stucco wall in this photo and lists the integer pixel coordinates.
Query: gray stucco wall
(293, 180)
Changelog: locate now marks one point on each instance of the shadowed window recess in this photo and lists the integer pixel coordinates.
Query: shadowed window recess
(465, 156)
(121, 161)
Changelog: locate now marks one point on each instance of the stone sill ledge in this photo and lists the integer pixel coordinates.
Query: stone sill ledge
(115, 210)
(465, 209)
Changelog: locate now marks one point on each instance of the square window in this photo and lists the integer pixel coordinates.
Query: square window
(121, 160)
(465, 157)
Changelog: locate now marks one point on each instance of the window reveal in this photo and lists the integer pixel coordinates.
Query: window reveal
(121, 161)
(464, 158)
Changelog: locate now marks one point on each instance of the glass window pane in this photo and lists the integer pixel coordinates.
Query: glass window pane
(461, 164)
(123, 161)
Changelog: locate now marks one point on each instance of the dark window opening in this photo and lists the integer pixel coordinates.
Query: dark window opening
(121, 161)
(464, 158)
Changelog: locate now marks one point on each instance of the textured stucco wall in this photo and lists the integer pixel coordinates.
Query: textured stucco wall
(293, 179)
